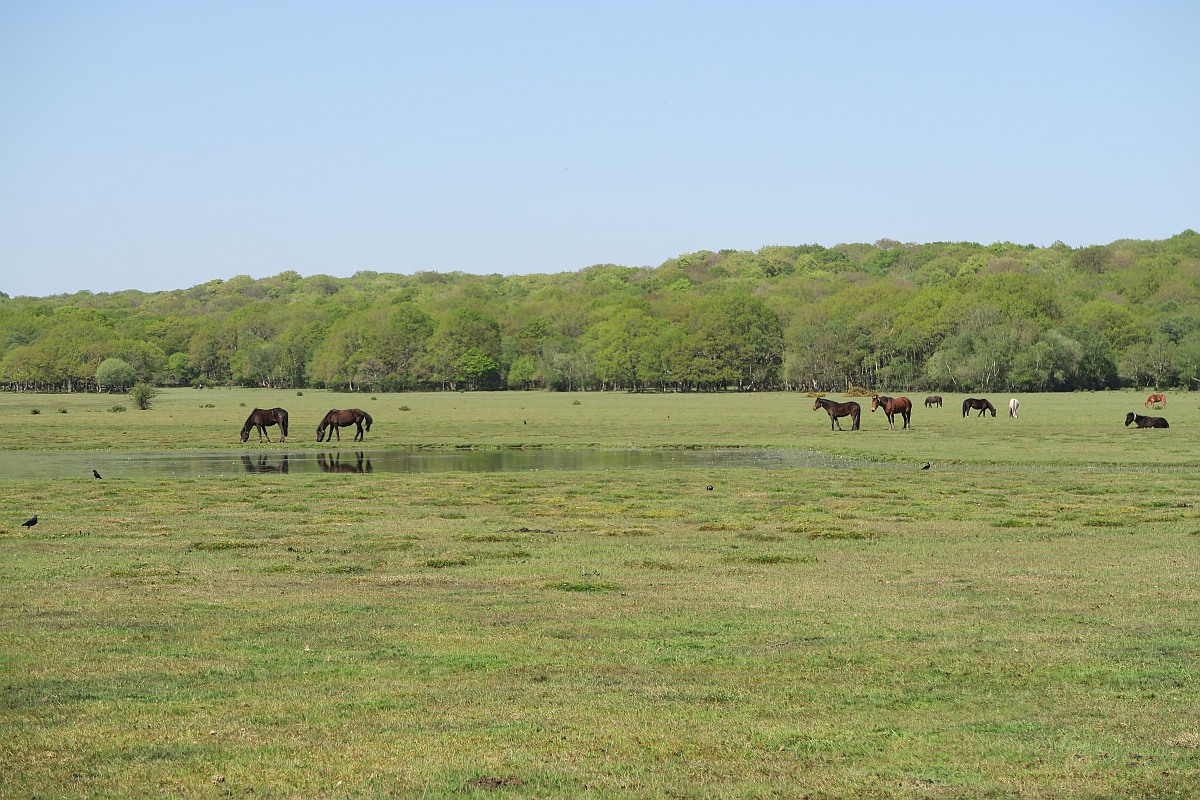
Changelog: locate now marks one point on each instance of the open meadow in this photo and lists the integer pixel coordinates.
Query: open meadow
(1020, 620)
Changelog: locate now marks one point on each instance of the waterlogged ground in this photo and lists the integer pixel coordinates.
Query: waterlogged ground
(193, 463)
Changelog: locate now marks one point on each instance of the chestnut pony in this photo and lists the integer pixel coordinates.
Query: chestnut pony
(893, 406)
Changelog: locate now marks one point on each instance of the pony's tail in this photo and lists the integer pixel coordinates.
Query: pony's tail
(369, 420)
(283, 422)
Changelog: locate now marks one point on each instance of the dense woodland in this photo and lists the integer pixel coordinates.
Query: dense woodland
(885, 316)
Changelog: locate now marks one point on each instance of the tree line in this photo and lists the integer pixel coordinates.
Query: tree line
(888, 316)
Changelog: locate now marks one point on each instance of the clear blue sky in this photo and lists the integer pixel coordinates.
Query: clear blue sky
(158, 145)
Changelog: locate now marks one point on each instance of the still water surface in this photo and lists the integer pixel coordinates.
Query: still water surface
(192, 463)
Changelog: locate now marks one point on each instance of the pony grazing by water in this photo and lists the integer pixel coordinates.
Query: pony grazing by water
(1013, 405)
(1156, 398)
(933, 400)
(1145, 422)
(340, 418)
(893, 406)
(835, 410)
(262, 418)
(979, 403)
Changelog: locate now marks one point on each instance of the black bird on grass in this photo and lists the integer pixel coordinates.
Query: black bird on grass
(96, 474)
(29, 523)
(925, 465)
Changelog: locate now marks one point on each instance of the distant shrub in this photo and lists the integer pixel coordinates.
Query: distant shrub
(299, 394)
(142, 395)
(117, 408)
(405, 408)
(62, 411)
(576, 403)
(35, 411)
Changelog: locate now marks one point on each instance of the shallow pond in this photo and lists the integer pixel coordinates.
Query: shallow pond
(168, 464)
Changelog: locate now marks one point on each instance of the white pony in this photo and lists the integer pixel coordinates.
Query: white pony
(1013, 405)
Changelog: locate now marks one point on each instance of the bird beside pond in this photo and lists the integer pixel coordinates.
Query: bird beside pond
(29, 523)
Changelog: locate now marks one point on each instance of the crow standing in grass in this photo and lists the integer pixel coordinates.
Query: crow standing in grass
(29, 523)
(96, 474)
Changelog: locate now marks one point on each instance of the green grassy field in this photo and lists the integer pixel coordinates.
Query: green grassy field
(1021, 620)
(1060, 429)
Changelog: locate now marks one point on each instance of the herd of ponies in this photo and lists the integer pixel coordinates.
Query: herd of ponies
(903, 406)
(338, 418)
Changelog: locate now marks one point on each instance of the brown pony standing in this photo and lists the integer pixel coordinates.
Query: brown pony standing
(1156, 398)
(835, 410)
(891, 407)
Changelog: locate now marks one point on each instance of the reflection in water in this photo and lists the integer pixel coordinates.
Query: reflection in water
(264, 463)
(126, 464)
(333, 463)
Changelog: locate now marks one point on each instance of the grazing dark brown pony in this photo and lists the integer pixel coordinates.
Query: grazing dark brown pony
(1145, 422)
(1156, 398)
(980, 403)
(933, 400)
(836, 410)
(340, 418)
(262, 418)
(893, 406)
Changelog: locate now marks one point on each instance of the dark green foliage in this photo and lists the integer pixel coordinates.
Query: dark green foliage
(886, 316)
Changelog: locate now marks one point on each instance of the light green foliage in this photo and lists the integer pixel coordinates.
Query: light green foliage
(115, 374)
(885, 316)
